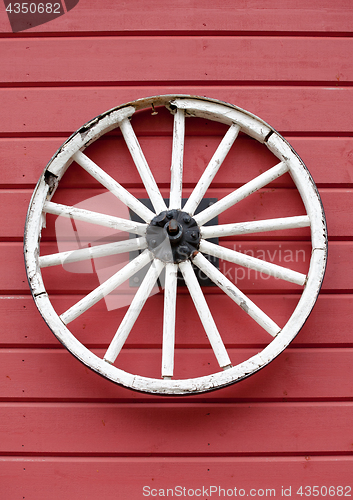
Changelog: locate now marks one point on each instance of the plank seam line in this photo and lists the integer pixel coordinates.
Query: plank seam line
(217, 460)
(299, 454)
(332, 84)
(181, 33)
(58, 347)
(155, 347)
(182, 405)
(195, 402)
(62, 134)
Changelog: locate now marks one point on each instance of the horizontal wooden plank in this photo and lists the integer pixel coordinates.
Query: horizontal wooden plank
(126, 477)
(287, 109)
(25, 158)
(177, 429)
(319, 16)
(338, 275)
(297, 374)
(178, 59)
(338, 219)
(265, 204)
(329, 324)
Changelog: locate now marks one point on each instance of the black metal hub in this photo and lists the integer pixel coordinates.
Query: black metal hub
(173, 236)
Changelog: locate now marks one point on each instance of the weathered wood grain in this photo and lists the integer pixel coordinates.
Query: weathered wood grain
(306, 374)
(288, 109)
(179, 59)
(219, 16)
(176, 429)
(92, 477)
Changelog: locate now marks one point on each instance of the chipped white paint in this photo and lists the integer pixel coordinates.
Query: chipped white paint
(169, 315)
(32, 237)
(142, 166)
(134, 310)
(204, 314)
(113, 186)
(306, 187)
(94, 218)
(95, 252)
(236, 119)
(85, 136)
(235, 294)
(107, 287)
(211, 169)
(257, 226)
(241, 193)
(250, 124)
(259, 265)
(176, 177)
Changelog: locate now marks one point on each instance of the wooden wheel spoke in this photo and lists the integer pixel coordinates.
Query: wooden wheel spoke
(205, 314)
(241, 193)
(211, 169)
(253, 263)
(177, 160)
(142, 166)
(235, 294)
(94, 218)
(134, 310)
(94, 252)
(113, 186)
(107, 287)
(254, 227)
(169, 316)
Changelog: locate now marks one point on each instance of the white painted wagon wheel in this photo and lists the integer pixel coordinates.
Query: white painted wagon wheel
(187, 238)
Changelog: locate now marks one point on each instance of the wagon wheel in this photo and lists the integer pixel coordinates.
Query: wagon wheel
(174, 238)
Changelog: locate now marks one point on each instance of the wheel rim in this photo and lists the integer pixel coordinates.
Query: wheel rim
(173, 228)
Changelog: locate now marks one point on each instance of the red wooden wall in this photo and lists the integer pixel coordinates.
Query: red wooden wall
(64, 431)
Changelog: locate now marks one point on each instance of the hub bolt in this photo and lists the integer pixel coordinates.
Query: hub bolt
(173, 227)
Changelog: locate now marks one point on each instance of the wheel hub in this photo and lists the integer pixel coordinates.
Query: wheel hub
(173, 236)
